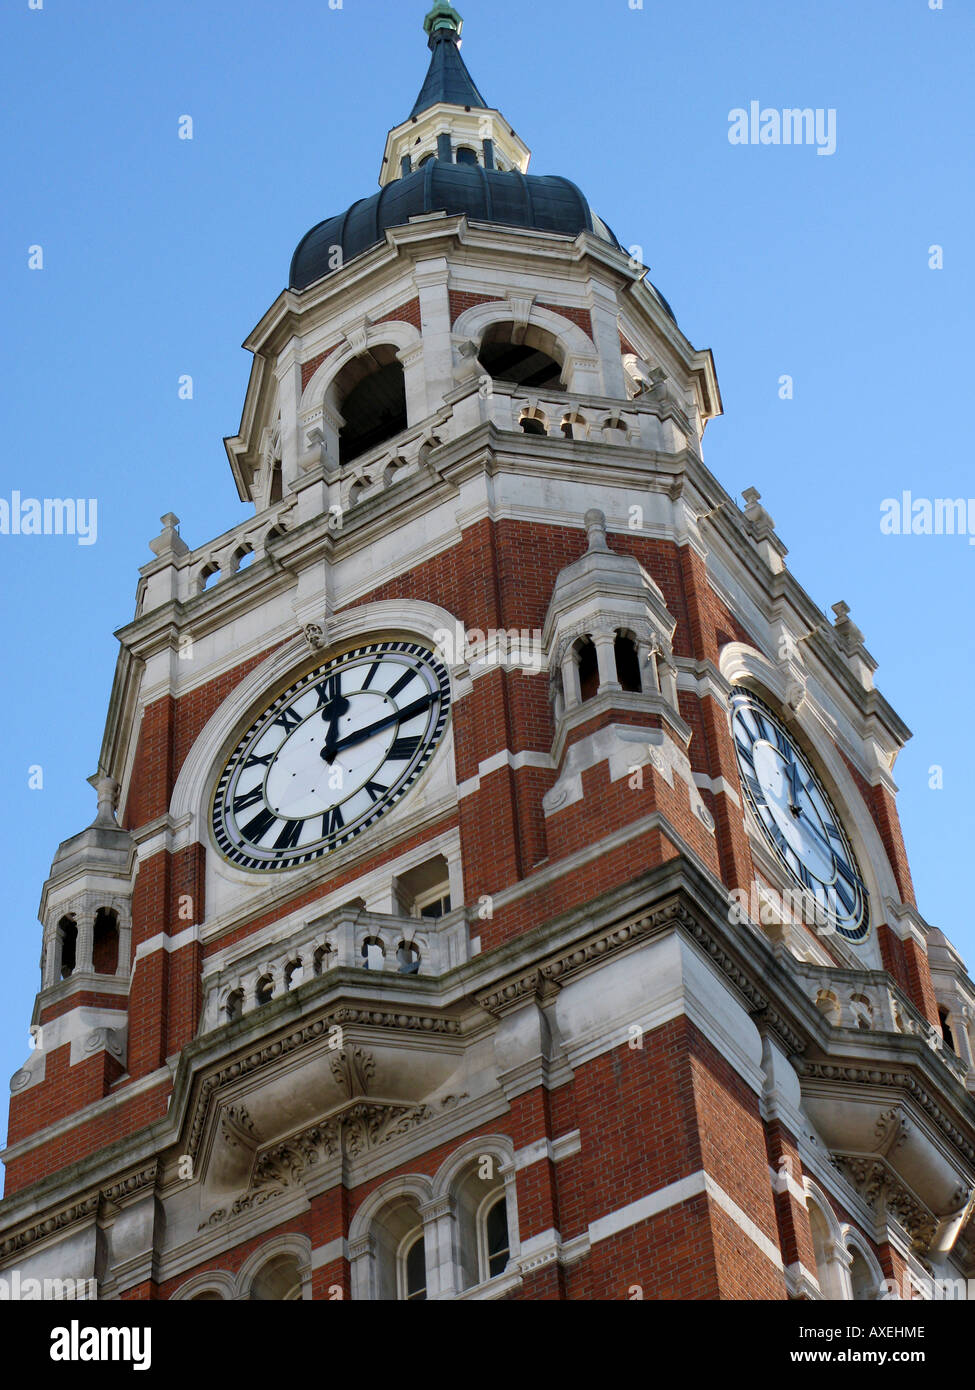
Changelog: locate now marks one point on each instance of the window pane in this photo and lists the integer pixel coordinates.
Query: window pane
(416, 1272)
(497, 1238)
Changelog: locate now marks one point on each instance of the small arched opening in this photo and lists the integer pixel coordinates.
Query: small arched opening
(627, 663)
(67, 946)
(532, 424)
(105, 941)
(373, 953)
(371, 395)
(588, 669)
(408, 958)
(534, 360)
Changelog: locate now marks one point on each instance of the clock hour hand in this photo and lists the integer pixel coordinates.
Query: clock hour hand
(332, 713)
(795, 788)
(329, 753)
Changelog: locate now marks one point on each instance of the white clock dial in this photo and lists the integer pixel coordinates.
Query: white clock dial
(330, 756)
(797, 817)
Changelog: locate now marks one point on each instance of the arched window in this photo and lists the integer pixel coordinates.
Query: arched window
(294, 973)
(278, 1282)
(265, 990)
(234, 1006)
(320, 960)
(481, 1206)
(371, 393)
(104, 952)
(465, 155)
(946, 1033)
(67, 945)
(394, 1268)
(415, 1270)
(588, 669)
(534, 361)
(627, 663)
(863, 1279)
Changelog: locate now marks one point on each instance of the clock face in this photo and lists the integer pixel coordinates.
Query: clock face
(797, 816)
(330, 756)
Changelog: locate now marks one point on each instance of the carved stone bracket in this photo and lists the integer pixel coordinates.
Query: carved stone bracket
(360, 1127)
(886, 1195)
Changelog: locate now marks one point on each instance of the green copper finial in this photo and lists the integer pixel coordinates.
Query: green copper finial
(443, 16)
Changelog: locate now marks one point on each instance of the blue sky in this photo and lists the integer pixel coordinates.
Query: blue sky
(160, 255)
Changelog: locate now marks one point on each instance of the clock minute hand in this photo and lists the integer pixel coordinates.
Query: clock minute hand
(853, 878)
(329, 753)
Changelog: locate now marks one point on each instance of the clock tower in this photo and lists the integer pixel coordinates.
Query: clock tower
(496, 889)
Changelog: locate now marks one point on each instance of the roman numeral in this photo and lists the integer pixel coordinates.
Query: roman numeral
(259, 826)
(248, 799)
(745, 751)
(403, 682)
(376, 790)
(755, 788)
(290, 835)
(289, 720)
(329, 689)
(255, 761)
(779, 839)
(404, 749)
(782, 742)
(332, 822)
(806, 878)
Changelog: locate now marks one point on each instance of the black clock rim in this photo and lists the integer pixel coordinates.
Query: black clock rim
(855, 935)
(231, 851)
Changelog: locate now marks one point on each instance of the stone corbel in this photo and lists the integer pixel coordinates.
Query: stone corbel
(357, 336)
(521, 308)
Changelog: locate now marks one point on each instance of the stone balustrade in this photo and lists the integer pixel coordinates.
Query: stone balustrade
(348, 937)
(870, 1002)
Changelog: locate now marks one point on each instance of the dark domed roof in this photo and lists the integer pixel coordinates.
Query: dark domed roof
(546, 203)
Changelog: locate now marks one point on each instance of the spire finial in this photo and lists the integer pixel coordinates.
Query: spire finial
(443, 20)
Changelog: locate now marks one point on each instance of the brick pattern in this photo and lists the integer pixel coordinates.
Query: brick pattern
(126, 1117)
(309, 368)
(461, 301)
(406, 313)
